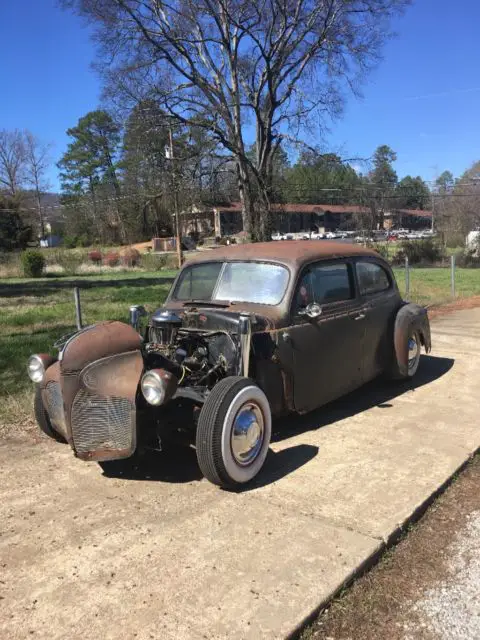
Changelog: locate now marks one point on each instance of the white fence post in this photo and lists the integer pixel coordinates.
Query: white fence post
(452, 274)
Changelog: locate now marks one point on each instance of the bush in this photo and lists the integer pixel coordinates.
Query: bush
(130, 257)
(70, 242)
(111, 259)
(419, 252)
(95, 256)
(158, 261)
(382, 249)
(467, 259)
(33, 262)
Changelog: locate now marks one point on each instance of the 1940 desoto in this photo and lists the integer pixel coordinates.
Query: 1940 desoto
(247, 332)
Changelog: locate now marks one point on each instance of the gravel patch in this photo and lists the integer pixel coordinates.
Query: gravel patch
(452, 608)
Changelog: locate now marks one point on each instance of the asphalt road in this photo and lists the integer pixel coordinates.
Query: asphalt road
(158, 552)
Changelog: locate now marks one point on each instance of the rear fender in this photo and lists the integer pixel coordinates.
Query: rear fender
(411, 317)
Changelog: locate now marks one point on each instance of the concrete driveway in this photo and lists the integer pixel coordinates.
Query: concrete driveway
(158, 552)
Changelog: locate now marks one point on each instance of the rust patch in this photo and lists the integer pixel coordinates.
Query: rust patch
(116, 375)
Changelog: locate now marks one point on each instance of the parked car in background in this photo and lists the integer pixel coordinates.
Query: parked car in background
(248, 332)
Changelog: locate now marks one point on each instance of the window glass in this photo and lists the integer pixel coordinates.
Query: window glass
(237, 282)
(252, 282)
(324, 284)
(372, 278)
(198, 282)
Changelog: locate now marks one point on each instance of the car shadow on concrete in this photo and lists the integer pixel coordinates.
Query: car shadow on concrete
(179, 464)
(378, 393)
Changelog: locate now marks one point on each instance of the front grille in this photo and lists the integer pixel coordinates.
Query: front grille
(102, 427)
(52, 398)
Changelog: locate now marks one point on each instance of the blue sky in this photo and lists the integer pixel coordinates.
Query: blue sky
(423, 100)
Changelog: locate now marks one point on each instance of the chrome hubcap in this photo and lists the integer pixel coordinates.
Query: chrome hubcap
(247, 433)
(413, 352)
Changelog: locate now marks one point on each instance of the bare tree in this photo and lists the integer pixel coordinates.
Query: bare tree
(12, 161)
(231, 66)
(37, 161)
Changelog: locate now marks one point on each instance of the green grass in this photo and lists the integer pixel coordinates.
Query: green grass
(31, 324)
(430, 286)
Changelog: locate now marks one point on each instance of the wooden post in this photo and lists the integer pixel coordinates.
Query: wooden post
(407, 279)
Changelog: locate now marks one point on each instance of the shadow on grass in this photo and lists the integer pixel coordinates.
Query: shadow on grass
(46, 287)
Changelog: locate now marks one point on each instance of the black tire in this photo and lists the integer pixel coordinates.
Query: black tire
(216, 457)
(41, 416)
(395, 373)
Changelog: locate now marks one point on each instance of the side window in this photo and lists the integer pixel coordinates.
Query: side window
(324, 283)
(372, 278)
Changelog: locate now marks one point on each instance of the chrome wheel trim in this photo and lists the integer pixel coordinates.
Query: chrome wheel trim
(247, 435)
(413, 353)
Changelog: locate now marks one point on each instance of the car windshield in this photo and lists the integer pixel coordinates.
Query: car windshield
(256, 282)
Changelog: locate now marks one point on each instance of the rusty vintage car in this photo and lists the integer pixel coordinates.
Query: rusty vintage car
(247, 333)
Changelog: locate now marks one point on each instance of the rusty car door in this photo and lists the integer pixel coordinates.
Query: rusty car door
(326, 351)
(381, 300)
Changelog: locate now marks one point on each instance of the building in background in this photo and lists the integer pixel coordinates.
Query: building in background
(227, 220)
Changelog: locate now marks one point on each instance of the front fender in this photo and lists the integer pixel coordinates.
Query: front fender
(411, 317)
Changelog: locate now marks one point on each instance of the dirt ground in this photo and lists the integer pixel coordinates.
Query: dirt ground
(408, 595)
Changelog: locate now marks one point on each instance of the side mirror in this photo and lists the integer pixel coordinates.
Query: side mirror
(312, 310)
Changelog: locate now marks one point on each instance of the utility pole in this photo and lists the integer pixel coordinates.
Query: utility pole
(433, 211)
(178, 240)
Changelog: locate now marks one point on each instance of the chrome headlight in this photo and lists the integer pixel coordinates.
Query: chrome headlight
(153, 387)
(35, 368)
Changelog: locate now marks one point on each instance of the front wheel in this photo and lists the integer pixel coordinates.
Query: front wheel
(233, 432)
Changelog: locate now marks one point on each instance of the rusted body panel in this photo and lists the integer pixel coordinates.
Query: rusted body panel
(411, 317)
(100, 366)
(106, 399)
(52, 398)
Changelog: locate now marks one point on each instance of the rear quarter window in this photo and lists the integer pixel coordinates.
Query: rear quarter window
(372, 278)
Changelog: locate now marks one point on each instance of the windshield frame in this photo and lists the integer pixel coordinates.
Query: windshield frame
(224, 262)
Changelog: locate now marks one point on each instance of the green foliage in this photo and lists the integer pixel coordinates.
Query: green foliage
(306, 180)
(445, 182)
(381, 248)
(419, 252)
(158, 261)
(467, 258)
(70, 242)
(412, 193)
(33, 262)
(14, 233)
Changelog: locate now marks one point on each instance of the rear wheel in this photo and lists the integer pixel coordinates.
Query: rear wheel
(41, 416)
(413, 359)
(233, 432)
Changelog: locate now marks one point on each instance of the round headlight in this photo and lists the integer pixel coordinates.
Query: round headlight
(153, 388)
(35, 369)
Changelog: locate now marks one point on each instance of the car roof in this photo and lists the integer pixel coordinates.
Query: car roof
(292, 253)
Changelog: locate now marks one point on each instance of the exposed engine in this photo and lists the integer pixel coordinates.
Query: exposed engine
(196, 357)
